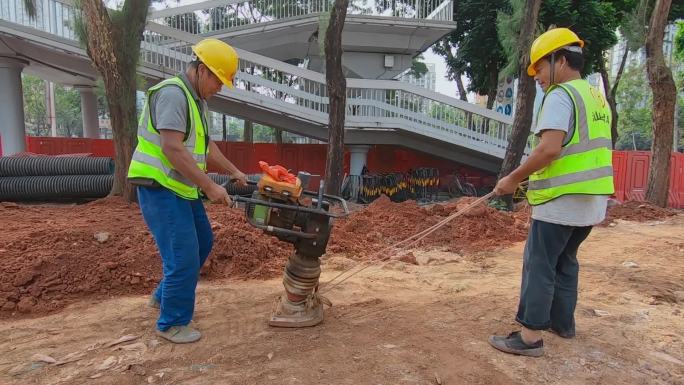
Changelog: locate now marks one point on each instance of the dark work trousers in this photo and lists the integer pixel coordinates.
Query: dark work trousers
(548, 293)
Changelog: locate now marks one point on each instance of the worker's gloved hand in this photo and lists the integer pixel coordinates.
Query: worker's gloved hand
(218, 194)
(240, 177)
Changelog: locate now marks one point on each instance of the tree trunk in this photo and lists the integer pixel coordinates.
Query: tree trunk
(249, 131)
(278, 133)
(337, 94)
(462, 94)
(225, 128)
(493, 83)
(124, 145)
(611, 102)
(517, 140)
(491, 98)
(611, 96)
(621, 70)
(114, 48)
(664, 96)
(527, 91)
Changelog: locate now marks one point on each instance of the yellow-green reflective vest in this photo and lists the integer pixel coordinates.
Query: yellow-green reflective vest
(149, 160)
(585, 164)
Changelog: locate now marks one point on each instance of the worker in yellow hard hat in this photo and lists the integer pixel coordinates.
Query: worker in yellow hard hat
(570, 179)
(169, 168)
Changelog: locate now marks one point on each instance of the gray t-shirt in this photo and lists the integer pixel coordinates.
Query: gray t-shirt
(569, 210)
(169, 108)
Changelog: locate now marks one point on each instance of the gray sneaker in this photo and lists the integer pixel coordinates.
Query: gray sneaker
(153, 302)
(180, 334)
(514, 344)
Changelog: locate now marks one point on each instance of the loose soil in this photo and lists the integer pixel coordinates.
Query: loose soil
(638, 212)
(423, 319)
(51, 256)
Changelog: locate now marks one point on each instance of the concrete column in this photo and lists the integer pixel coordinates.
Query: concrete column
(91, 123)
(358, 157)
(50, 107)
(12, 127)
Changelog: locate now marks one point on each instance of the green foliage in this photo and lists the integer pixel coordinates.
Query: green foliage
(679, 41)
(508, 30)
(480, 55)
(634, 23)
(449, 114)
(68, 112)
(67, 109)
(594, 21)
(187, 22)
(634, 103)
(30, 7)
(418, 67)
(676, 10)
(35, 111)
(263, 134)
(219, 17)
(323, 23)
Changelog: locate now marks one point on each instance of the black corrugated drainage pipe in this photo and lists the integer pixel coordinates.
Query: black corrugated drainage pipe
(55, 188)
(55, 165)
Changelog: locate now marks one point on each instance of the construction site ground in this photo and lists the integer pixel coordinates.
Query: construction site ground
(76, 279)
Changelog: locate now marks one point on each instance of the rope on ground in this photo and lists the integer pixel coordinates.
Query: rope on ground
(400, 246)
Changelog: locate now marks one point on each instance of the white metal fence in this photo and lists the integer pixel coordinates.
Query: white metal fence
(378, 103)
(229, 14)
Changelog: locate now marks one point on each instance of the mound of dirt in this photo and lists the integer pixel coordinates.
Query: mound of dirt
(52, 255)
(383, 223)
(637, 212)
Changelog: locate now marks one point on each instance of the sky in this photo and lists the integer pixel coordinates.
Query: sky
(443, 85)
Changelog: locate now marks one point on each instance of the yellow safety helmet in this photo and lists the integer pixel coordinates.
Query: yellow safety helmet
(220, 57)
(549, 42)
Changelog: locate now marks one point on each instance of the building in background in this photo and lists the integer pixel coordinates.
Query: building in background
(427, 80)
(638, 58)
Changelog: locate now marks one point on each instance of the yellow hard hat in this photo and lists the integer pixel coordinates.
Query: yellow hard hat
(549, 42)
(220, 57)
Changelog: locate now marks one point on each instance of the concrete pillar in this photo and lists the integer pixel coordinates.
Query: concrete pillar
(358, 157)
(91, 123)
(50, 107)
(12, 127)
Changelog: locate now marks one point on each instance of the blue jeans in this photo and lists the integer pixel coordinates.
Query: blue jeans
(184, 238)
(548, 293)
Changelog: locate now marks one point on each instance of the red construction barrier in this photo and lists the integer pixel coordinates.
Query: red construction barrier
(630, 167)
(631, 176)
(385, 158)
(677, 181)
(619, 173)
(57, 146)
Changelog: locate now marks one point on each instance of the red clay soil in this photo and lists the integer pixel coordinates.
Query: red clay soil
(383, 223)
(637, 212)
(49, 255)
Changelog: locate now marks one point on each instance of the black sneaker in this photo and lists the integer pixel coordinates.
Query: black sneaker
(566, 335)
(514, 344)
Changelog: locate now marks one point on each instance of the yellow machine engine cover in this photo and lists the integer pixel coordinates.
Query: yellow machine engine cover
(271, 187)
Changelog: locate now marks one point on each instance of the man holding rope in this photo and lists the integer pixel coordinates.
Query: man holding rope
(570, 178)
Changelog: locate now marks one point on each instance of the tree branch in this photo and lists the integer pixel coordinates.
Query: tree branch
(621, 69)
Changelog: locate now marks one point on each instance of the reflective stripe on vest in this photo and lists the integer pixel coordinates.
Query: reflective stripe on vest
(584, 165)
(149, 161)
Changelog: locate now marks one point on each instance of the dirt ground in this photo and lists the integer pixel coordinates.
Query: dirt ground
(393, 323)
